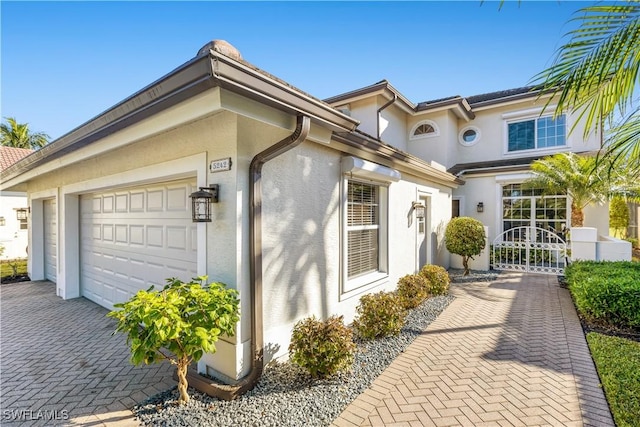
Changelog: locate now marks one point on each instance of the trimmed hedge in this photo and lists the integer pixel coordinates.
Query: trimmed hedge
(606, 293)
(438, 279)
(379, 315)
(412, 290)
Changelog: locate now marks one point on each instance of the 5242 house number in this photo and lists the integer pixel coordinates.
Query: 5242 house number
(220, 165)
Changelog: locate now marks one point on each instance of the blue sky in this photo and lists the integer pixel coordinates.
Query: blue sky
(65, 62)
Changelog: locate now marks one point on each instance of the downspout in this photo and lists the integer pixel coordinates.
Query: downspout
(395, 97)
(255, 250)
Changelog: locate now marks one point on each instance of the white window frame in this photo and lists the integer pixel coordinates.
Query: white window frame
(358, 170)
(528, 115)
(436, 130)
(464, 143)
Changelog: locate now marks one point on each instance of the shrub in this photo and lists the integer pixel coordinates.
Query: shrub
(412, 290)
(606, 293)
(184, 318)
(379, 315)
(437, 279)
(323, 348)
(619, 216)
(465, 236)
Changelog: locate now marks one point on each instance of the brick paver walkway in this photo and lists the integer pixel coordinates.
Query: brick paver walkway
(58, 359)
(505, 353)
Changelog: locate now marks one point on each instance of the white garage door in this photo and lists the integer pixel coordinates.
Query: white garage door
(134, 238)
(50, 240)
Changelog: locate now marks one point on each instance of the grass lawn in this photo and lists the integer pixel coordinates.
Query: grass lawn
(6, 270)
(618, 363)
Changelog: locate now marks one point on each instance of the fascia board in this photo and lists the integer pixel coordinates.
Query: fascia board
(234, 75)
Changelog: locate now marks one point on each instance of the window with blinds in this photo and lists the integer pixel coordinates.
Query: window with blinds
(363, 227)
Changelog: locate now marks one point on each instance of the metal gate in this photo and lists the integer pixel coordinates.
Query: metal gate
(530, 249)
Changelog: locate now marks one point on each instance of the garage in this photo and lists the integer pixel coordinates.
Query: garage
(50, 240)
(134, 238)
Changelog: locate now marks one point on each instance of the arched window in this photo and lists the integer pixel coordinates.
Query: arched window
(424, 129)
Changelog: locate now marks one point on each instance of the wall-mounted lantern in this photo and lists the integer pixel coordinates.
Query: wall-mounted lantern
(22, 214)
(201, 203)
(419, 209)
(480, 207)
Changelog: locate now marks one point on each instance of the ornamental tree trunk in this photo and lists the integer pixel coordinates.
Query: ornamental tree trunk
(182, 365)
(465, 264)
(577, 216)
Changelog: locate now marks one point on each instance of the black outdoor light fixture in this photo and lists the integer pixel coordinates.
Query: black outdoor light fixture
(480, 207)
(201, 203)
(419, 209)
(21, 214)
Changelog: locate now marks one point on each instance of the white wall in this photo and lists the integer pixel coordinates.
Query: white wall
(302, 234)
(12, 238)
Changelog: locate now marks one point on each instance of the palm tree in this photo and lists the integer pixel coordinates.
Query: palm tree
(14, 134)
(584, 180)
(596, 72)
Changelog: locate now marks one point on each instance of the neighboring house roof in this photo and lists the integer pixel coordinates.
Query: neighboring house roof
(11, 155)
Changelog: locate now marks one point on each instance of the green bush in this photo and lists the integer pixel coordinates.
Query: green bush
(437, 278)
(379, 315)
(606, 293)
(412, 290)
(323, 348)
(465, 236)
(184, 318)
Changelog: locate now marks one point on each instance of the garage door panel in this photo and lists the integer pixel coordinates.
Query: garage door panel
(50, 240)
(136, 238)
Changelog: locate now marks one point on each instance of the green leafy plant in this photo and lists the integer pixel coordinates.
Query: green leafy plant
(437, 279)
(379, 315)
(465, 236)
(184, 318)
(323, 348)
(606, 293)
(412, 290)
(619, 216)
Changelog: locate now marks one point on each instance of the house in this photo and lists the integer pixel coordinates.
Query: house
(488, 141)
(13, 210)
(318, 202)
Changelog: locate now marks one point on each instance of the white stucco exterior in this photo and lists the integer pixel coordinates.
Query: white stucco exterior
(236, 114)
(13, 233)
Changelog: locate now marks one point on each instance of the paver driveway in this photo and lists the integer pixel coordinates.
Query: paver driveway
(58, 359)
(509, 352)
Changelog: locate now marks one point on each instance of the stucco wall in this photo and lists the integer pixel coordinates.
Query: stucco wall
(12, 238)
(302, 239)
(493, 138)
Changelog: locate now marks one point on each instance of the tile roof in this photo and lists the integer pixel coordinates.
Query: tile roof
(491, 96)
(11, 155)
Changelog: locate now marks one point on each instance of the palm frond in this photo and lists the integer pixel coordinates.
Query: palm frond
(596, 71)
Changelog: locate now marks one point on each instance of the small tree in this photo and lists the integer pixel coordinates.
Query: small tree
(619, 216)
(184, 318)
(465, 236)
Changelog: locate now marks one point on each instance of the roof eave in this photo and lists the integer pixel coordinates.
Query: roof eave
(193, 77)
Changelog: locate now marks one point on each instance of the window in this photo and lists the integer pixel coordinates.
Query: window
(363, 227)
(538, 133)
(424, 129)
(527, 208)
(455, 208)
(469, 136)
(365, 223)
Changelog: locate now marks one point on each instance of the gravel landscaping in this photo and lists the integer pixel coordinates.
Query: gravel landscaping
(286, 395)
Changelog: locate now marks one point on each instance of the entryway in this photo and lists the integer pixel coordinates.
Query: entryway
(529, 249)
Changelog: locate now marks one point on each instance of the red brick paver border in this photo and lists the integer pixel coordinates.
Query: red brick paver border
(506, 353)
